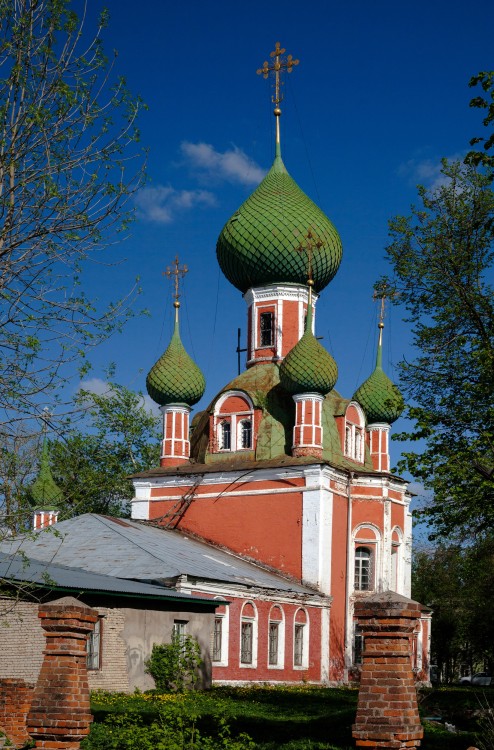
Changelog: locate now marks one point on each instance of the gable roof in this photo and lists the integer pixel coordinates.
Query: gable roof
(135, 550)
(48, 575)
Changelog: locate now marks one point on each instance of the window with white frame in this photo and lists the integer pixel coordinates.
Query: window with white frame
(225, 435)
(266, 329)
(93, 647)
(301, 640)
(363, 569)
(396, 539)
(234, 422)
(354, 446)
(219, 641)
(245, 436)
(247, 642)
(248, 636)
(276, 638)
(179, 632)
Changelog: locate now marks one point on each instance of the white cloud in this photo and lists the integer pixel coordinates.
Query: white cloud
(427, 172)
(231, 166)
(94, 385)
(101, 388)
(162, 203)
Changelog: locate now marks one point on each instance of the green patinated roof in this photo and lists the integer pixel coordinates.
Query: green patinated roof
(175, 378)
(258, 245)
(44, 491)
(262, 384)
(308, 367)
(378, 397)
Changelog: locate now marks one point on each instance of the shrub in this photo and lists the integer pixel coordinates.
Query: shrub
(171, 730)
(175, 666)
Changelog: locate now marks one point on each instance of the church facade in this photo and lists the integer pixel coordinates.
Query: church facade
(280, 468)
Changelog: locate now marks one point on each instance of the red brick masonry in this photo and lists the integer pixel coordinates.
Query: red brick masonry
(60, 714)
(15, 701)
(387, 713)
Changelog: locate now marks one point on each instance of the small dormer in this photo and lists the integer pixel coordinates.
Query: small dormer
(354, 433)
(233, 426)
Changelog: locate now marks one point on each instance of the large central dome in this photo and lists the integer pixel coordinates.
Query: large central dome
(259, 244)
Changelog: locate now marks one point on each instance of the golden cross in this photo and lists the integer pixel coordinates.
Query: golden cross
(382, 291)
(280, 64)
(312, 243)
(175, 272)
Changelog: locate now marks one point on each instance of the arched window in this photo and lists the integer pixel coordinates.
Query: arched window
(276, 635)
(301, 640)
(248, 636)
(233, 422)
(363, 569)
(354, 446)
(246, 433)
(225, 436)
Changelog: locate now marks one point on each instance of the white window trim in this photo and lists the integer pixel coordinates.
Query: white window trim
(305, 640)
(225, 636)
(280, 663)
(373, 542)
(266, 308)
(354, 429)
(235, 419)
(254, 621)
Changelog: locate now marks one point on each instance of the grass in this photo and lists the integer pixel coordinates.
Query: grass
(299, 718)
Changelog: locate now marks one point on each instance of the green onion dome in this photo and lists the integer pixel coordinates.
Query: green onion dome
(44, 491)
(308, 367)
(259, 244)
(378, 396)
(175, 378)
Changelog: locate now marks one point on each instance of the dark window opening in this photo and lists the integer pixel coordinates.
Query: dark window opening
(246, 434)
(246, 644)
(273, 642)
(267, 329)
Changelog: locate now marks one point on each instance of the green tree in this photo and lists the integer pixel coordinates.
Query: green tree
(91, 462)
(442, 257)
(69, 160)
(485, 101)
(456, 581)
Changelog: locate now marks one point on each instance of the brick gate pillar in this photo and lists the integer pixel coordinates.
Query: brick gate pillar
(60, 714)
(387, 712)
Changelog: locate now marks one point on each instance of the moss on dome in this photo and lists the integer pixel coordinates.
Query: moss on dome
(379, 397)
(175, 378)
(259, 244)
(308, 367)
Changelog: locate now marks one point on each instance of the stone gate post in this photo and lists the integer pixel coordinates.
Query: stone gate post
(387, 712)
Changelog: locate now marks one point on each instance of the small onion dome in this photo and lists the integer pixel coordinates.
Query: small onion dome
(175, 378)
(308, 367)
(259, 244)
(44, 491)
(378, 396)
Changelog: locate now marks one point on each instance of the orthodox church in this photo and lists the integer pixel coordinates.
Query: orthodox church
(280, 469)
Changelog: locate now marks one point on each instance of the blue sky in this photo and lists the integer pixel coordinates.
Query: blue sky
(380, 95)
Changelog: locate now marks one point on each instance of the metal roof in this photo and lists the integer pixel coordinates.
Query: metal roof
(135, 550)
(21, 569)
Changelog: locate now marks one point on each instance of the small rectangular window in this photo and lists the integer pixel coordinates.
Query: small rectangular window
(179, 632)
(266, 321)
(217, 638)
(93, 652)
(298, 646)
(274, 630)
(246, 644)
